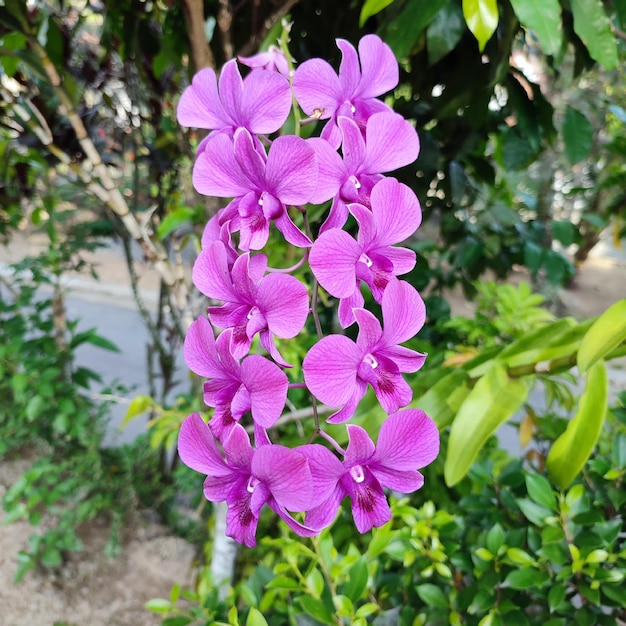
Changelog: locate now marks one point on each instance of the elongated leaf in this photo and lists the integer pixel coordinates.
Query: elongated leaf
(481, 17)
(444, 32)
(443, 399)
(255, 618)
(577, 135)
(594, 28)
(572, 449)
(405, 30)
(493, 400)
(607, 332)
(543, 17)
(371, 7)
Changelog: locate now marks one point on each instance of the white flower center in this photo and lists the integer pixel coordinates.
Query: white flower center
(357, 473)
(371, 361)
(252, 483)
(366, 260)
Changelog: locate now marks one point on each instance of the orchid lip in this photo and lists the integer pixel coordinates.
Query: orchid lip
(252, 483)
(366, 260)
(371, 361)
(357, 473)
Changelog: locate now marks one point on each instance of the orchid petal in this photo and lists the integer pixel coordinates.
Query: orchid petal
(333, 259)
(349, 70)
(337, 216)
(239, 453)
(404, 312)
(241, 524)
(216, 171)
(284, 301)
(331, 171)
(267, 385)
(369, 504)
(408, 440)
(317, 88)
(210, 273)
(200, 105)
(408, 361)
(199, 350)
(295, 525)
(266, 102)
(231, 89)
(291, 232)
(323, 515)
(396, 211)
(402, 259)
(392, 142)
(400, 481)
(379, 68)
(251, 162)
(345, 312)
(291, 171)
(353, 145)
(349, 409)
(370, 331)
(197, 448)
(360, 448)
(330, 369)
(326, 470)
(287, 475)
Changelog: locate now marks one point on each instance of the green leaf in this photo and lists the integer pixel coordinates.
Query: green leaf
(543, 17)
(174, 220)
(495, 539)
(357, 580)
(159, 605)
(443, 400)
(564, 232)
(444, 32)
(520, 557)
(535, 513)
(34, 407)
(572, 449)
(372, 7)
(138, 406)
(540, 491)
(432, 595)
(255, 618)
(606, 333)
(577, 135)
(179, 620)
(403, 33)
(317, 609)
(526, 578)
(592, 25)
(315, 583)
(494, 398)
(482, 19)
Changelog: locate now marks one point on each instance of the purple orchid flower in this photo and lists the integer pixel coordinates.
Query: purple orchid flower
(261, 186)
(272, 59)
(272, 305)
(340, 263)
(408, 440)
(324, 95)
(337, 370)
(390, 142)
(260, 103)
(256, 384)
(247, 478)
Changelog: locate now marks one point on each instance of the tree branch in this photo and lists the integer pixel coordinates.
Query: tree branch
(201, 53)
(255, 41)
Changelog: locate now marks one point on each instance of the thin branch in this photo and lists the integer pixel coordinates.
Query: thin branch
(224, 23)
(257, 39)
(201, 53)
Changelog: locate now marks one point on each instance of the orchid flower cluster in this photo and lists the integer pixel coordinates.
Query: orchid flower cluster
(270, 180)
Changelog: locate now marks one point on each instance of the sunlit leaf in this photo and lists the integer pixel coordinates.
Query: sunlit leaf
(606, 333)
(594, 28)
(481, 17)
(572, 449)
(372, 7)
(543, 17)
(494, 398)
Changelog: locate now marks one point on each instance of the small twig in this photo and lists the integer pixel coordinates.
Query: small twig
(224, 23)
(255, 41)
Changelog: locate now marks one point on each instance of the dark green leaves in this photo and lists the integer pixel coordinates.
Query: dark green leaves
(543, 17)
(577, 135)
(594, 28)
